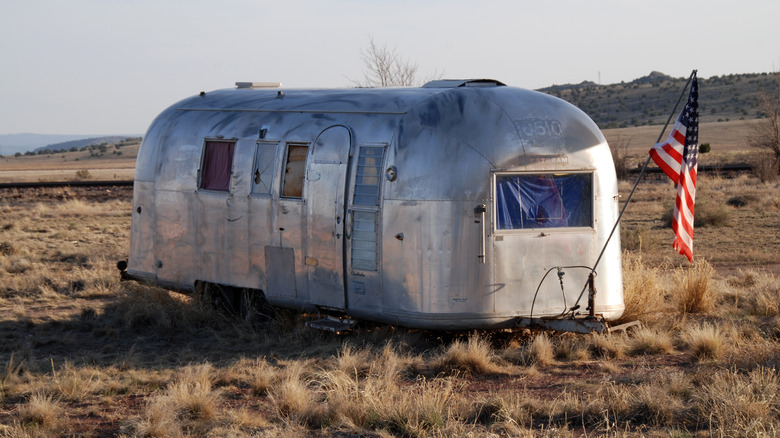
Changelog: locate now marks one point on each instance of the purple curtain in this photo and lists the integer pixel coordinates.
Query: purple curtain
(217, 163)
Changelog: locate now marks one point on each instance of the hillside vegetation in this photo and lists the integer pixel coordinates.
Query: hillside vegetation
(649, 99)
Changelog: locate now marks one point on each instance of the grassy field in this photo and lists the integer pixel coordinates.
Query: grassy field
(82, 354)
(117, 164)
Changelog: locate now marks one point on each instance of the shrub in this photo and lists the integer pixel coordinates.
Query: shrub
(83, 174)
(705, 214)
(704, 148)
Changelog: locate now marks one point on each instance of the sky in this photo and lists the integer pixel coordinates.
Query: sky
(108, 67)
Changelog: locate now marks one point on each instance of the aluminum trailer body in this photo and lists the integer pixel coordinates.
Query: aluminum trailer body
(447, 206)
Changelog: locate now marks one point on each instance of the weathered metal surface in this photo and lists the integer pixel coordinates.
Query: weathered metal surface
(388, 223)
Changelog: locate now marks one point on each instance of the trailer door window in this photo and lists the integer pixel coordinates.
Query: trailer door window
(294, 170)
(217, 164)
(526, 201)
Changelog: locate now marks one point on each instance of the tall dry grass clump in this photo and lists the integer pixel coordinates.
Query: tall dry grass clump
(75, 383)
(9, 375)
(473, 357)
(642, 294)
(694, 287)
(188, 404)
(193, 395)
(292, 398)
(540, 351)
(610, 346)
(421, 410)
(704, 341)
(41, 410)
(649, 340)
(353, 361)
(257, 374)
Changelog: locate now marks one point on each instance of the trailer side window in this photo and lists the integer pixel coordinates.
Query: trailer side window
(525, 201)
(364, 240)
(217, 165)
(368, 175)
(263, 170)
(294, 170)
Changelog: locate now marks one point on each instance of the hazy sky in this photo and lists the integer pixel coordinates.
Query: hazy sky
(110, 66)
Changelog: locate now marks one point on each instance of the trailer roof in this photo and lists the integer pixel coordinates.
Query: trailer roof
(358, 100)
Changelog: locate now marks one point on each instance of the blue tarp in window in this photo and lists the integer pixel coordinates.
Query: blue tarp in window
(526, 201)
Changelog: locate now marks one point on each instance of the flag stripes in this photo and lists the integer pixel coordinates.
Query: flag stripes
(678, 158)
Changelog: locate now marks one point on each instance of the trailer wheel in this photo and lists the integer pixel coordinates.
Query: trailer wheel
(246, 304)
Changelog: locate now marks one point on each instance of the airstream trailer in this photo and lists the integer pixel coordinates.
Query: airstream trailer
(440, 207)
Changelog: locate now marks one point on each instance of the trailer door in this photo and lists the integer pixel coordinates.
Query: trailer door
(325, 194)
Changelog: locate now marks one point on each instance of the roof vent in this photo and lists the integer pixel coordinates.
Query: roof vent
(258, 85)
(454, 83)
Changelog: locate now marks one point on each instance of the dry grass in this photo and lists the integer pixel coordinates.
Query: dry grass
(738, 404)
(188, 404)
(755, 291)
(127, 359)
(643, 295)
(540, 351)
(694, 287)
(473, 357)
(648, 340)
(704, 341)
(41, 410)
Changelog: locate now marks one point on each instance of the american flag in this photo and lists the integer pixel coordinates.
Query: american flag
(678, 157)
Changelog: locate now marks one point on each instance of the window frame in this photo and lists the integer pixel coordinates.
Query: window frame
(273, 168)
(283, 169)
(374, 208)
(204, 163)
(562, 172)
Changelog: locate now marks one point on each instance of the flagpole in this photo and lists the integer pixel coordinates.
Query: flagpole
(630, 195)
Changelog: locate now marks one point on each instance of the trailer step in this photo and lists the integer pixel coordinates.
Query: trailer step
(332, 324)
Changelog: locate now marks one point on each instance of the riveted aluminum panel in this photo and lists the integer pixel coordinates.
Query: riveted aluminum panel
(444, 146)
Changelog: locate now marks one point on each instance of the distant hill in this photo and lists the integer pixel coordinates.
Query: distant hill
(13, 143)
(649, 100)
(10, 144)
(78, 144)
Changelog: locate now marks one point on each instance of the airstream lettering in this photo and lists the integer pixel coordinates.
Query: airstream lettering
(442, 207)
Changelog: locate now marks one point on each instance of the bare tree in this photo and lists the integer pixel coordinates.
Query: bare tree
(386, 68)
(766, 132)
